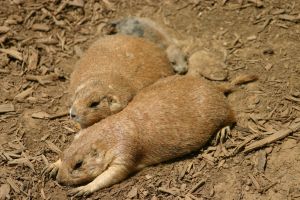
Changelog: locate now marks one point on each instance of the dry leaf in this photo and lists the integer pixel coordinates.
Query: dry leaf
(132, 193)
(24, 94)
(40, 115)
(4, 191)
(13, 185)
(291, 18)
(77, 3)
(22, 161)
(40, 27)
(7, 108)
(268, 66)
(33, 59)
(13, 53)
(4, 29)
(53, 147)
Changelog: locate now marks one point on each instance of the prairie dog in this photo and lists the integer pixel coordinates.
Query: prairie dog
(171, 118)
(110, 73)
(148, 29)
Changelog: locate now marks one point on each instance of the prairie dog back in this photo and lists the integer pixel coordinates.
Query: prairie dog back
(135, 59)
(182, 119)
(111, 72)
(154, 32)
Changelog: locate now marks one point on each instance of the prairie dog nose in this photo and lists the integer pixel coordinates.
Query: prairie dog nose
(72, 113)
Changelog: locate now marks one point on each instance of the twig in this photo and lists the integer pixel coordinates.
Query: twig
(4, 71)
(241, 145)
(273, 138)
(266, 188)
(12, 53)
(264, 26)
(198, 185)
(254, 181)
(58, 115)
(169, 191)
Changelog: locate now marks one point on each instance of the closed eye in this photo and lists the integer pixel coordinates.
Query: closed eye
(78, 165)
(94, 104)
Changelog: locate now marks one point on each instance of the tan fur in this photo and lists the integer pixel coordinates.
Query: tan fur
(110, 73)
(227, 88)
(154, 32)
(171, 118)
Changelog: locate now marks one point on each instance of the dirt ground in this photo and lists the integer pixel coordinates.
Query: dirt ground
(259, 159)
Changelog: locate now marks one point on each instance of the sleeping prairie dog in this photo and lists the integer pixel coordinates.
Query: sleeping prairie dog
(110, 73)
(171, 118)
(150, 30)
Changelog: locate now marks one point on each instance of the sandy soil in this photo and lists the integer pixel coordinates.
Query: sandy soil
(40, 40)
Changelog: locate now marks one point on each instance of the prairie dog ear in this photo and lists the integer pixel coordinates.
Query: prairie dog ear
(114, 103)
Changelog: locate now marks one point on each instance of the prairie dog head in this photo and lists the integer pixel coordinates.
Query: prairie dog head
(94, 101)
(83, 161)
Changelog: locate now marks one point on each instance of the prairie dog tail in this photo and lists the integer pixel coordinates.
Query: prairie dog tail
(227, 88)
(148, 29)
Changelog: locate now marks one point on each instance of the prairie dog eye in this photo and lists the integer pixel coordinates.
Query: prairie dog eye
(173, 62)
(78, 164)
(94, 104)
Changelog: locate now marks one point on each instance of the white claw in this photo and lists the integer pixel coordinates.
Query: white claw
(80, 191)
(51, 169)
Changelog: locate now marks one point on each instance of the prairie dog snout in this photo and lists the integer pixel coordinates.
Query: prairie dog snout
(110, 73)
(171, 118)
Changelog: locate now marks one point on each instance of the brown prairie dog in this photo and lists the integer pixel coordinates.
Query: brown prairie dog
(110, 73)
(148, 29)
(171, 118)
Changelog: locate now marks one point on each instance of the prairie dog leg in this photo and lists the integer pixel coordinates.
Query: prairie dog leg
(222, 135)
(112, 175)
(52, 169)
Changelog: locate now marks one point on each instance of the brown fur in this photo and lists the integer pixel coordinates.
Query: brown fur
(227, 88)
(154, 32)
(171, 118)
(110, 73)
